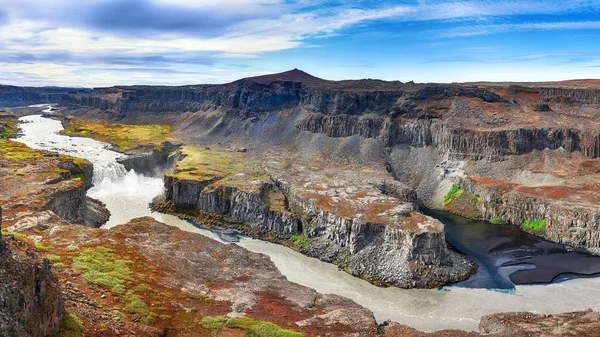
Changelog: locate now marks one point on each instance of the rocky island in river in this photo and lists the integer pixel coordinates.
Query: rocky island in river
(336, 170)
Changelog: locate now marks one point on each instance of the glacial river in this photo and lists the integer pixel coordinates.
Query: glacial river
(128, 194)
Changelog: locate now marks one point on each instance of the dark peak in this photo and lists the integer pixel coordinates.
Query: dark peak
(294, 75)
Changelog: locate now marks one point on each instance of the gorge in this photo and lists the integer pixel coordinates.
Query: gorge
(367, 156)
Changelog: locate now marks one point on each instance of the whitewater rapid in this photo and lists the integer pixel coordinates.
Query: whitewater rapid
(127, 195)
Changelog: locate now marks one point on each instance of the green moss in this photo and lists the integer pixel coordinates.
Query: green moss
(59, 266)
(140, 288)
(537, 226)
(103, 269)
(165, 317)
(300, 240)
(252, 328)
(53, 258)
(135, 305)
(454, 193)
(204, 165)
(71, 326)
(126, 137)
(40, 247)
(18, 236)
(497, 220)
(11, 129)
(17, 152)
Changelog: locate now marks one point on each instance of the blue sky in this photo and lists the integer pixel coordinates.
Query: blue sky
(173, 42)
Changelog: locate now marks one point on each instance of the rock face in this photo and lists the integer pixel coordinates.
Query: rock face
(20, 96)
(571, 223)
(583, 323)
(30, 299)
(367, 226)
(154, 163)
(457, 125)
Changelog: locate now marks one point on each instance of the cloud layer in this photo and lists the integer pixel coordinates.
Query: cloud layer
(106, 42)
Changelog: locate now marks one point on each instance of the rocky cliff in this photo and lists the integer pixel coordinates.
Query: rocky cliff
(431, 135)
(20, 96)
(30, 300)
(368, 226)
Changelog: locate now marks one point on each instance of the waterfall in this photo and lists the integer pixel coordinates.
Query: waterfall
(108, 172)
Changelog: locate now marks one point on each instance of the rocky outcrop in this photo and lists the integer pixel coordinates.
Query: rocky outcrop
(494, 145)
(575, 324)
(574, 224)
(406, 256)
(30, 301)
(250, 207)
(153, 164)
(385, 254)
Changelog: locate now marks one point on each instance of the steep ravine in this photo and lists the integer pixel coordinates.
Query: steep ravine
(423, 309)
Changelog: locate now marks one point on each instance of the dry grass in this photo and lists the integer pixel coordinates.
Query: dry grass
(202, 164)
(17, 152)
(125, 137)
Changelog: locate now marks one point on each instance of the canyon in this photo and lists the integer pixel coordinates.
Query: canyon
(339, 171)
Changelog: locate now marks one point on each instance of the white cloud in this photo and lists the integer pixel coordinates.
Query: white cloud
(494, 29)
(39, 28)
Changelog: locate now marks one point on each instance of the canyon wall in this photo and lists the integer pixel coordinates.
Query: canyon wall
(454, 125)
(384, 254)
(30, 299)
(21, 96)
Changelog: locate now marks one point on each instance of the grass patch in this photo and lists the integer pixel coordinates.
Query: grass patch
(140, 288)
(59, 266)
(201, 164)
(135, 305)
(40, 247)
(252, 328)
(537, 226)
(497, 220)
(18, 236)
(300, 240)
(53, 258)
(454, 193)
(8, 127)
(17, 152)
(124, 136)
(102, 268)
(71, 326)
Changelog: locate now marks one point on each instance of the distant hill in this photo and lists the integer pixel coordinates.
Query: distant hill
(294, 75)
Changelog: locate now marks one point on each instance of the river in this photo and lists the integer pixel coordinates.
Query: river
(127, 195)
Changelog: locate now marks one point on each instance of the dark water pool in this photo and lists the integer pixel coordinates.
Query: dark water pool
(507, 256)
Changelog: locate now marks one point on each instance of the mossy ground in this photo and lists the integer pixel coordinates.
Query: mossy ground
(71, 326)
(18, 153)
(497, 220)
(251, 327)
(454, 193)
(537, 226)
(462, 202)
(204, 164)
(300, 240)
(125, 137)
(8, 127)
(104, 268)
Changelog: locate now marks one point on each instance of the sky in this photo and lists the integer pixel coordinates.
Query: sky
(95, 43)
